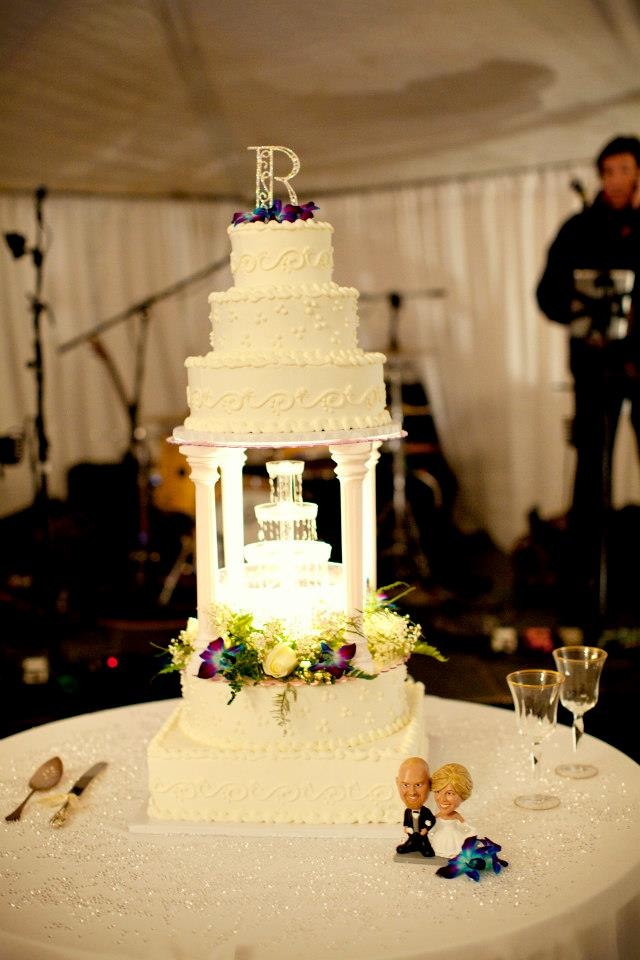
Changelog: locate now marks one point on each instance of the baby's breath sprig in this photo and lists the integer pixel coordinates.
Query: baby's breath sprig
(181, 649)
(245, 653)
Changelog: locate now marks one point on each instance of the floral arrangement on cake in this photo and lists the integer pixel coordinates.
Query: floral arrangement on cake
(289, 213)
(244, 653)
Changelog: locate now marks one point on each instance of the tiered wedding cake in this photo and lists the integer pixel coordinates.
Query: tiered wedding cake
(285, 356)
(312, 659)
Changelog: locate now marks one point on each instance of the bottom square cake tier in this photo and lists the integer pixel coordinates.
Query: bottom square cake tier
(191, 780)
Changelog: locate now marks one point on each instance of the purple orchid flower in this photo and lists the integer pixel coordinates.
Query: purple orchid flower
(258, 213)
(466, 862)
(290, 213)
(216, 659)
(490, 853)
(335, 662)
(306, 210)
(476, 855)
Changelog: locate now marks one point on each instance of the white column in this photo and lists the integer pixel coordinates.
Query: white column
(231, 461)
(204, 473)
(351, 470)
(371, 519)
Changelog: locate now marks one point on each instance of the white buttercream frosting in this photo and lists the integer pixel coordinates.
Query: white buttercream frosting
(191, 780)
(285, 357)
(300, 251)
(322, 717)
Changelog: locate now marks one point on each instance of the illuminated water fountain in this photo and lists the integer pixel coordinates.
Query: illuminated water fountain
(287, 572)
(285, 371)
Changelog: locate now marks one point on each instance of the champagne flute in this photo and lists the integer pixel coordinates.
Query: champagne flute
(581, 668)
(535, 696)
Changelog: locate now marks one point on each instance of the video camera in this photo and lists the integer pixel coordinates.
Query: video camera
(602, 303)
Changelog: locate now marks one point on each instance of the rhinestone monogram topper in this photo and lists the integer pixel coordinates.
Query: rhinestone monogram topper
(265, 175)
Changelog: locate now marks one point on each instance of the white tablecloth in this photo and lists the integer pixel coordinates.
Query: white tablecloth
(95, 889)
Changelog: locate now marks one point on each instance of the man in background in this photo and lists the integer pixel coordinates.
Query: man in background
(590, 284)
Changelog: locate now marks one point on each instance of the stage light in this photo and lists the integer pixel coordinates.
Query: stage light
(11, 449)
(35, 670)
(17, 244)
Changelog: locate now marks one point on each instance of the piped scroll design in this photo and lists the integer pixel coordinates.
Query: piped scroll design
(279, 400)
(286, 261)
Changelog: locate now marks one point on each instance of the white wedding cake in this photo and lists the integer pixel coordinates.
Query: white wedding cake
(296, 705)
(335, 762)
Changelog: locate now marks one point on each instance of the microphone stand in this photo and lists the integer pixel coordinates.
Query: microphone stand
(143, 306)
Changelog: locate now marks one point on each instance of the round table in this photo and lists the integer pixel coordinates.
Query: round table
(94, 889)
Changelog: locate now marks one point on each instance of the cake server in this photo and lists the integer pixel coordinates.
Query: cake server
(45, 777)
(76, 791)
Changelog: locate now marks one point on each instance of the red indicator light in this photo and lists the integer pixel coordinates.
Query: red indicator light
(112, 662)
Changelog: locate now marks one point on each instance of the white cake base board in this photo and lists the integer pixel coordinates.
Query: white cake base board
(417, 859)
(359, 831)
(203, 438)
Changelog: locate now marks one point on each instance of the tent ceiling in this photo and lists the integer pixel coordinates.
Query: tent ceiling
(164, 96)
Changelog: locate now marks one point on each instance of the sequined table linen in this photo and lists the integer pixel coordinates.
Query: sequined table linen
(96, 890)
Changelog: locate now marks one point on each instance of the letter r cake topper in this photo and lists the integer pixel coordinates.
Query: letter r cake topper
(265, 175)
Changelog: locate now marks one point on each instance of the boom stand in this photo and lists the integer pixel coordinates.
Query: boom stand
(138, 442)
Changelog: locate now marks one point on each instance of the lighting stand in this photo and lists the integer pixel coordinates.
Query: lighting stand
(38, 307)
(18, 247)
(406, 547)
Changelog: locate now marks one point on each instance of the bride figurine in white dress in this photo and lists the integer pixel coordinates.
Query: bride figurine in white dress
(451, 785)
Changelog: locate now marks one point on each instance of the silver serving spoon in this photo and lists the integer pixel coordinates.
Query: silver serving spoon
(44, 778)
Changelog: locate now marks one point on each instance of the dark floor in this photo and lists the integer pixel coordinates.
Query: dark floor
(88, 603)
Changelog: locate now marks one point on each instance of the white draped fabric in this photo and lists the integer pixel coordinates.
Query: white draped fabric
(104, 255)
(494, 368)
(113, 886)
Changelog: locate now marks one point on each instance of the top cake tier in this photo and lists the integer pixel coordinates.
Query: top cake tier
(285, 362)
(274, 254)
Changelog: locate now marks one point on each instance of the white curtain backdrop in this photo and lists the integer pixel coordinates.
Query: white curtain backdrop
(494, 368)
(104, 255)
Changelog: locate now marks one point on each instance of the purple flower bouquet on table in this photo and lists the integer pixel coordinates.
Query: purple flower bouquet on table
(477, 855)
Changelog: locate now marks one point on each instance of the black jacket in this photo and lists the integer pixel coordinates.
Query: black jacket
(425, 818)
(598, 238)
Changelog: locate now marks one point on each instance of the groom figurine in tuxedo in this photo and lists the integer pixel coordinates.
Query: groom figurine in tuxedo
(413, 782)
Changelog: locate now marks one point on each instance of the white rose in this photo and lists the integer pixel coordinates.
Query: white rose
(280, 661)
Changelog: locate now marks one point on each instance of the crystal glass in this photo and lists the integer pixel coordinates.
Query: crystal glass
(535, 696)
(581, 668)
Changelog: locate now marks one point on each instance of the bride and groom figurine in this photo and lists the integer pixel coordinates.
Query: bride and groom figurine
(441, 835)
